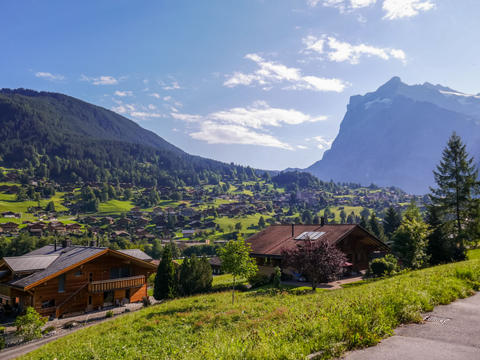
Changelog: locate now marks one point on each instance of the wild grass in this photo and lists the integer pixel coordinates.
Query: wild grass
(270, 324)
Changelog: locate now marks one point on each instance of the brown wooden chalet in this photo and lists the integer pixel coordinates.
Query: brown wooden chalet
(359, 245)
(57, 280)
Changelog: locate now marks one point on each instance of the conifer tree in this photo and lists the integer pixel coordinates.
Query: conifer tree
(375, 227)
(165, 281)
(455, 194)
(391, 222)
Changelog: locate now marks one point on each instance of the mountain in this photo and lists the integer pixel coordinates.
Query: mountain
(395, 135)
(57, 136)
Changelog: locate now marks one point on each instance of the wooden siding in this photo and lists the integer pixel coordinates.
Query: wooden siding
(115, 284)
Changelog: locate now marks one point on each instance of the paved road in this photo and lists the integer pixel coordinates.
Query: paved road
(450, 332)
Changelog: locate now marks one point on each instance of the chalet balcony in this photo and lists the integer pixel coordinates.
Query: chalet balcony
(116, 284)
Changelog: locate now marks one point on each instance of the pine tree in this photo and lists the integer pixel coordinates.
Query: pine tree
(440, 247)
(165, 281)
(410, 239)
(375, 227)
(457, 185)
(391, 222)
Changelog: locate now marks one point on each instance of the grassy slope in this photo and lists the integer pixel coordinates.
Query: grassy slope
(275, 326)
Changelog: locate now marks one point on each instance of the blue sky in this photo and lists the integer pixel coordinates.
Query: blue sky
(263, 83)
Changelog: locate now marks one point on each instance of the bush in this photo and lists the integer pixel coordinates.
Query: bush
(146, 301)
(29, 326)
(109, 314)
(2, 343)
(277, 277)
(385, 266)
(2, 329)
(258, 280)
(48, 329)
(70, 324)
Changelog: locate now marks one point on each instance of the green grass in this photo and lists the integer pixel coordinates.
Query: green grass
(473, 254)
(267, 324)
(115, 207)
(228, 224)
(8, 203)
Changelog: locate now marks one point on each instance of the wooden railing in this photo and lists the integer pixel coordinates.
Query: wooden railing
(116, 284)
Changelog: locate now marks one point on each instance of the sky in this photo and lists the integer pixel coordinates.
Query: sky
(263, 83)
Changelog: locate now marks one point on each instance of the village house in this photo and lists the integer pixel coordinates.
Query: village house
(359, 245)
(9, 227)
(57, 280)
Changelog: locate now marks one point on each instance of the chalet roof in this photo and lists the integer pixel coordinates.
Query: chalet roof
(29, 263)
(48, 261)
(272, 240)
(136, 253)
(65, 258)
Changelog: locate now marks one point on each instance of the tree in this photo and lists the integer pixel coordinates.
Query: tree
(194, 276)
(320, 260)
(343, 217)
(441, 249)
(391, 222)
(410, 239)
(375, 227)
(236, 260)
(29, 326)
(238, 226)
(50, 207)
(457, 186)
(261, 222)
(307, 217)
(165, 281)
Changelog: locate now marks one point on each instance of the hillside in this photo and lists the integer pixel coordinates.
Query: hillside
(395, 135)
(66, 139)
(270, 324)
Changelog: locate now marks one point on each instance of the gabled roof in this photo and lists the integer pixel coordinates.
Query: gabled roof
(64, 259)
(272, 240)
(29, 263)
(136, 253)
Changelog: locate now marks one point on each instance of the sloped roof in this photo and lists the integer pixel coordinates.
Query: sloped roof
(136, 253)
(67, 257)
(29, 263)
(272, 240)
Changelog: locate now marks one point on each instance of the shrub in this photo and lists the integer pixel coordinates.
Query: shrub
(109, 314)
(384, 266)
(70, 324)
(48, 329)
(2, 329)
(146, 301)
(29, 326)
(277, 277)
(258, 280)
(2, 343)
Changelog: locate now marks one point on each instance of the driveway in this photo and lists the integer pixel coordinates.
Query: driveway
(450, 332)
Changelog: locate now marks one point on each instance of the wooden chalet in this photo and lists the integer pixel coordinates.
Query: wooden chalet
(359, 245)
(58, 280)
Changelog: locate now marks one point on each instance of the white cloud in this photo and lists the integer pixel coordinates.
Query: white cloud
(101, 80)
(245, 125)
(270, 72)
(145, 115)
(397, 9)
(156, 95)
(167, 98)
(172, 85)
(123, 93)
(151, 107)
(216, 133)
(322, 142)
(302, 147)
(119, 109)
(49, 76)
(340, 51)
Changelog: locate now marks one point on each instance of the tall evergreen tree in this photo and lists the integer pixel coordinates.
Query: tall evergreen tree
(375, 226)
(454, 197)
(440, 247)
(391, 222)
(165, 281)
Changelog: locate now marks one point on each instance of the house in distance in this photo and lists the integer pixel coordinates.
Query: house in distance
(359, 245)
(57, 280)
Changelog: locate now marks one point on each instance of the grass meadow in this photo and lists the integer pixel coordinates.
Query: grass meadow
(270, 324)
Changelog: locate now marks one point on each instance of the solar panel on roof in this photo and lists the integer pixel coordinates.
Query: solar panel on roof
(310, 235)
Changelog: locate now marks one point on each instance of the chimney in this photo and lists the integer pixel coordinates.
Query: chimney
(293, 230)
(322, 221)
(66, 243)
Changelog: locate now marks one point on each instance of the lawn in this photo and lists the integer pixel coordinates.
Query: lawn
(8, 203)
(265, 324)
(228, 224)
(115, 207)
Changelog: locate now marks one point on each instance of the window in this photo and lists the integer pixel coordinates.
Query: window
(119, 272)
(90, 277)
(61, 283)
(48, 303)
(78, 273)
